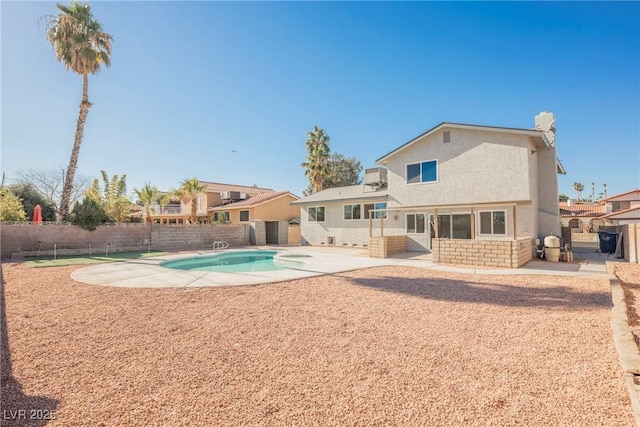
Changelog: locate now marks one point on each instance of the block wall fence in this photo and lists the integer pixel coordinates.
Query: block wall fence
(27, 239)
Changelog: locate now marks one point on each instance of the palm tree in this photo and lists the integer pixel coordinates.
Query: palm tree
(163, 201)
(82, 47)
(190, 188)
(317, 164)
(604, 190)
(148, 195)
(593, 191)
(578, 187)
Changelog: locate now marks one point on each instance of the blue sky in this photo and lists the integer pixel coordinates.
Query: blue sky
(226, 91)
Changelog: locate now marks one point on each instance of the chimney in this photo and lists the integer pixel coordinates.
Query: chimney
(546, 122)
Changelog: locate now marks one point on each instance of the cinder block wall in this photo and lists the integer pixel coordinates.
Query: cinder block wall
(382, 247)
(70, 239)
(489, 253)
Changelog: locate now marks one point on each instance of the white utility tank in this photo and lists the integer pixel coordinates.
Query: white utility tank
(552, 248)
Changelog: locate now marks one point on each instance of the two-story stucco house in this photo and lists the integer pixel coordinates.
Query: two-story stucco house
(470, 194)
(234, 204)
(623, 208)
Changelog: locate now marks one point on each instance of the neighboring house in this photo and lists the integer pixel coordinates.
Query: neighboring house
(269, 203)
(275, 206)
(585, 217)
(623, 208)
(479, 188)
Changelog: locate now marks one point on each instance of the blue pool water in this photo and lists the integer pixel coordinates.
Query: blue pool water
(230, 262)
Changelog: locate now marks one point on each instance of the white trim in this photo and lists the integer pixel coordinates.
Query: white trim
(352, 219)
(420, 162)
(316, 207)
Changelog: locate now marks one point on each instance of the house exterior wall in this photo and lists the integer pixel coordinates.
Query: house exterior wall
(494, 165)
(547, 182)
(278, 209)
(344, 232)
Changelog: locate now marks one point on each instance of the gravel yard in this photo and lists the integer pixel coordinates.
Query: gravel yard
(629, 275)
(381, 346)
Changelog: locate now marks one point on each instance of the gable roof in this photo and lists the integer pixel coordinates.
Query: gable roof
(253, 201)
(631, 213)
(612, 198)
(537, 136)
(216, 187)
(351, 192)
(582, 210)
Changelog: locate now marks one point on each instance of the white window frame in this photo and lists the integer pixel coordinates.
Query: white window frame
(248, 215)
(426, 222)
(406, 178)
(491, 211)
(352, 205)
(316, 208)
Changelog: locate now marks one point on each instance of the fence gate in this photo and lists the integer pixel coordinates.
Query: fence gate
(271, 230)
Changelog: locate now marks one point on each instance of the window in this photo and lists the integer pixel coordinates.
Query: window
(221, 216)
(352, 212)
(422, 172)
(446, 136)
(376, 215)
(316, 214)
(620, 206)
(244, 216)
(416, 223)
(493, 222)
(453, 226)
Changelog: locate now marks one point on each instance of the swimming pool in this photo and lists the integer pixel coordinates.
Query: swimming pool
(232, 262)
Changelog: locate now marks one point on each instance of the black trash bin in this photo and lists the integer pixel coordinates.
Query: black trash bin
(607, 242)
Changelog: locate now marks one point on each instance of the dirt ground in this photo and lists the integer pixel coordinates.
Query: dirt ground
(381, 346)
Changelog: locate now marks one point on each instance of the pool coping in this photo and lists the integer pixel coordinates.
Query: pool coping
(147, 273)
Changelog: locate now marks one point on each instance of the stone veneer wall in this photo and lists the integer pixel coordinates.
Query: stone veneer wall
(382, 247)
(489, 253)
(24, 239)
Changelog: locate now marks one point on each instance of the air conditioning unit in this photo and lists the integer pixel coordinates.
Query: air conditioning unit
(224, 195)
(242, 196)
(375, 177)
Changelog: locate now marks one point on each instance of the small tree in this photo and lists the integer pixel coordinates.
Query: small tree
(147, 195)
(190, 188)
(112, 197)
(11, 208)
(88, 214)
(563, 198)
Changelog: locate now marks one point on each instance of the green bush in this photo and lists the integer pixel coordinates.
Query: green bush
(88, 214)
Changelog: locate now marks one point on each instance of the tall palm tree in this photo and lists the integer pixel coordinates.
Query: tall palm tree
(317, 164)
(190, 188)
(148, 195)
(578, 187)
(83, 47)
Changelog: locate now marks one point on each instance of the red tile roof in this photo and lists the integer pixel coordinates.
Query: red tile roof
(253, 201)
(582, 209)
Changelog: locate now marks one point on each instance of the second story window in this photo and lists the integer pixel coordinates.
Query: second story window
(620, 206)
(244, 216)
(417, 173)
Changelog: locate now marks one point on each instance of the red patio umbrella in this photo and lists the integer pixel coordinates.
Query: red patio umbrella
(37, 215)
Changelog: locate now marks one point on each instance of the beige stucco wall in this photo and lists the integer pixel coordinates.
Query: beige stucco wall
(475, 167)
(279, 209)
(345, 232)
